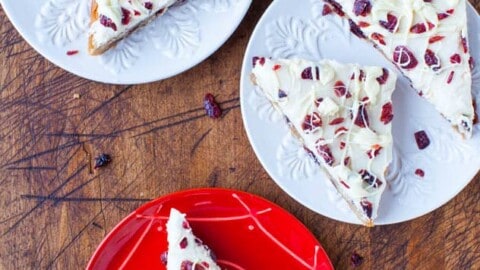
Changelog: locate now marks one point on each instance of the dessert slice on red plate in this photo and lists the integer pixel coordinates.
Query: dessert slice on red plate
(342, 113)
(185, 250)
(428, 42)
(113, 20)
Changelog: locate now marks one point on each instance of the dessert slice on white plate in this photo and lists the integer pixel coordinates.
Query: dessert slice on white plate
(113, 20)
(428, 42)
(185, 250)
(342, 113)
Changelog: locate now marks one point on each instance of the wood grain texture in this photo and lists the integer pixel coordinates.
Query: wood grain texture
(55, 210)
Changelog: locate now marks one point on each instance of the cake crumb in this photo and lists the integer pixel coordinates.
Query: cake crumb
(76, 96)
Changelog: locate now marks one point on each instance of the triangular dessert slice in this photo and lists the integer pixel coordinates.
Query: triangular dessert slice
(428, 42)
(112, 20)
(185, 250)
(342, 113)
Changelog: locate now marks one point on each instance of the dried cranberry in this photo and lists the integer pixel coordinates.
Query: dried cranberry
(260, 60)
(450, 76)
(163, 257)
(431, 60)
(383, 79)
(455, 59)
(342, 145)
(435, 39)
(340, 89)
(344, 184)
(276, 67)
(422, 139)
(326, 10)
(311, 122)
(318, 101)
(185, 225)
(403, 57)
(307, 74)
(346, 161)
(378, 37)
(374, 151)
(420, 172)
(363, 24)
(107, 22)
(421, 27)
(337, 121)
(362, 7)
(471, 62)
(325, 152)
(340, 130)
(137, 13)
(183, 243)
(281, 93)
(148, 5)
(464, 44)
(442, 16)
(370, 179)
(102, 160)
(355, 29)
(387, 113)
(390, 23)
(211, 106)
(336, 7)
(367, 207)
(125, 16)
(186, 265)
(362, 117)
(356, 259)
(72, 52)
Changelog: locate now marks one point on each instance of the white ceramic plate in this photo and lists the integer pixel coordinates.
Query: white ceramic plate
(297, 29)
(173, 43)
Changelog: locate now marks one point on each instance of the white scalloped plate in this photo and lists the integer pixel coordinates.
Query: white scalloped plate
(173, 43)
(297, 29)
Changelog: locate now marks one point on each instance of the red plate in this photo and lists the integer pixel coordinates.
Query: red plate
(244, 231)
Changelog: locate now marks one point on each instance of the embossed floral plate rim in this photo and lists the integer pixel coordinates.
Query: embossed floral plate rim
(145, 56)
(298, 29)
(235, 224)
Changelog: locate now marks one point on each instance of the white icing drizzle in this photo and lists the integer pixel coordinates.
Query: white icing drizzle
(336, 100)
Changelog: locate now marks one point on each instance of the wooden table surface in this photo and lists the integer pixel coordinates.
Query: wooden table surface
(54, 210)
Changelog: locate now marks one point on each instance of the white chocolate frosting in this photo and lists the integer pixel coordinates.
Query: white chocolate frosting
(436, 30)
(115, 10)
(343, 116)
(184, 247)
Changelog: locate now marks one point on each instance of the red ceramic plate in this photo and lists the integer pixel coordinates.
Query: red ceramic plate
(244, 231)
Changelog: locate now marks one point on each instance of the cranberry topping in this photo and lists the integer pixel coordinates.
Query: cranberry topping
(370, 179)
(318, 101)
(450, 76)
(342, 145)
(325, 152)
(403, 57)
(356, 259)
(185, 225)
(355, 29)
(107, 22)
(163, 257)
(362, 7)
(148, 5)
(421, 27)
(471, 62)
(464, 44)
(276, 67)
(390, 23)
(387, 113)
(326, 10)
(367, 207)
(336, 7)
(136, 13)
(340, 130)
(420, 172)
(211, 106)
(72, 52)
(311, 122)
(422, 139)
(125, 16)
(383, 79)
(375, 151)
(260, 60)
(378, 37)
(431, 60)
(455, 59)
(337, 121)
(344, 184)
(362, 117)
(183, 243)
(363, 24)
(340, 89)
(346, 161)
(281, 93)
(307, 73)
(435, 39)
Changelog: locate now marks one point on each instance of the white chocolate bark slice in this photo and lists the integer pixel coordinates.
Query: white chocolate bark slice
(112, 20)
(427, 40)
(185, 250)
(342, 113)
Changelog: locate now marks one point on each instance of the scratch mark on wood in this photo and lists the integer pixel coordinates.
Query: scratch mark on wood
(43, 198)
(197, 143)
(108, 101)
(33, 168)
